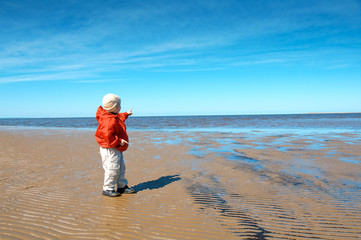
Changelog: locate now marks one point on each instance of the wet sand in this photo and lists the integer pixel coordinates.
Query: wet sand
(193, 185)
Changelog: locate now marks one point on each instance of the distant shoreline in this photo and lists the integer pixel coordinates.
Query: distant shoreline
(332, 113)
(199, 115)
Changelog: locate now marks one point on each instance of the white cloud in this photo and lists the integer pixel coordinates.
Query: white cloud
(44, 77)
(174, 37)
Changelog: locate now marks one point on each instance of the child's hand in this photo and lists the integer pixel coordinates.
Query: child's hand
(123, 142)
(130, 111)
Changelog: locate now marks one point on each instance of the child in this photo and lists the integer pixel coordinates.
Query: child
(113, 140)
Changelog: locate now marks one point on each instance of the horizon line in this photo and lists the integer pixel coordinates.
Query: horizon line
(203, 115)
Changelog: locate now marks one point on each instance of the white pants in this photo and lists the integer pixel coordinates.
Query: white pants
(114, 168)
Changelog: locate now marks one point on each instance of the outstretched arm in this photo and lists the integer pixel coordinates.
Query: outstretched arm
(123, 116)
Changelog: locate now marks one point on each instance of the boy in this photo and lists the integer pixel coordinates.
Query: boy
(112, 138)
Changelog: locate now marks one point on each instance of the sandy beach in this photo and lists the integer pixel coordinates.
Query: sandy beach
(189, 185)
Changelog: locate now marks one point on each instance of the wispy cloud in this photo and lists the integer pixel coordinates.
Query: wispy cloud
(189, 69)
(45, 77)
(96, 81)
(174, 37)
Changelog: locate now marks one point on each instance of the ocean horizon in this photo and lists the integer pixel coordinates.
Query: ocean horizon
(335, 121)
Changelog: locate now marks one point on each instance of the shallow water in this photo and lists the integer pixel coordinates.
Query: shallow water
(230, 123)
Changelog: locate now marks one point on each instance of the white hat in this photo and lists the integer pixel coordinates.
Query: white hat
(111, 102)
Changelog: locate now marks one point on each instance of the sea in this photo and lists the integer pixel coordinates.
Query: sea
(349, 122)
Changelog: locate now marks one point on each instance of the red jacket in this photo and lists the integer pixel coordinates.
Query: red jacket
(111, 129)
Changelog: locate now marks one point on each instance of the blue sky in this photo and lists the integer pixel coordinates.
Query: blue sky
(58, 58)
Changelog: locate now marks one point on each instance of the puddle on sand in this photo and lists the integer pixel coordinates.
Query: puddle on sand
(254, 163)
(172, 141)
(311, 171)
(238, 157)
(226, 150)
(197, 152)
(305, 167)
(349, 160)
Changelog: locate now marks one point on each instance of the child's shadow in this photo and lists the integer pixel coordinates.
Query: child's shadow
(155, 184)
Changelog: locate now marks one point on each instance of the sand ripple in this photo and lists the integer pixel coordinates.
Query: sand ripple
(52, 193)
(280, 217)
(59, 215)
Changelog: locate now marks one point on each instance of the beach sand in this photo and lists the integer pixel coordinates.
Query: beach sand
(192, 185)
